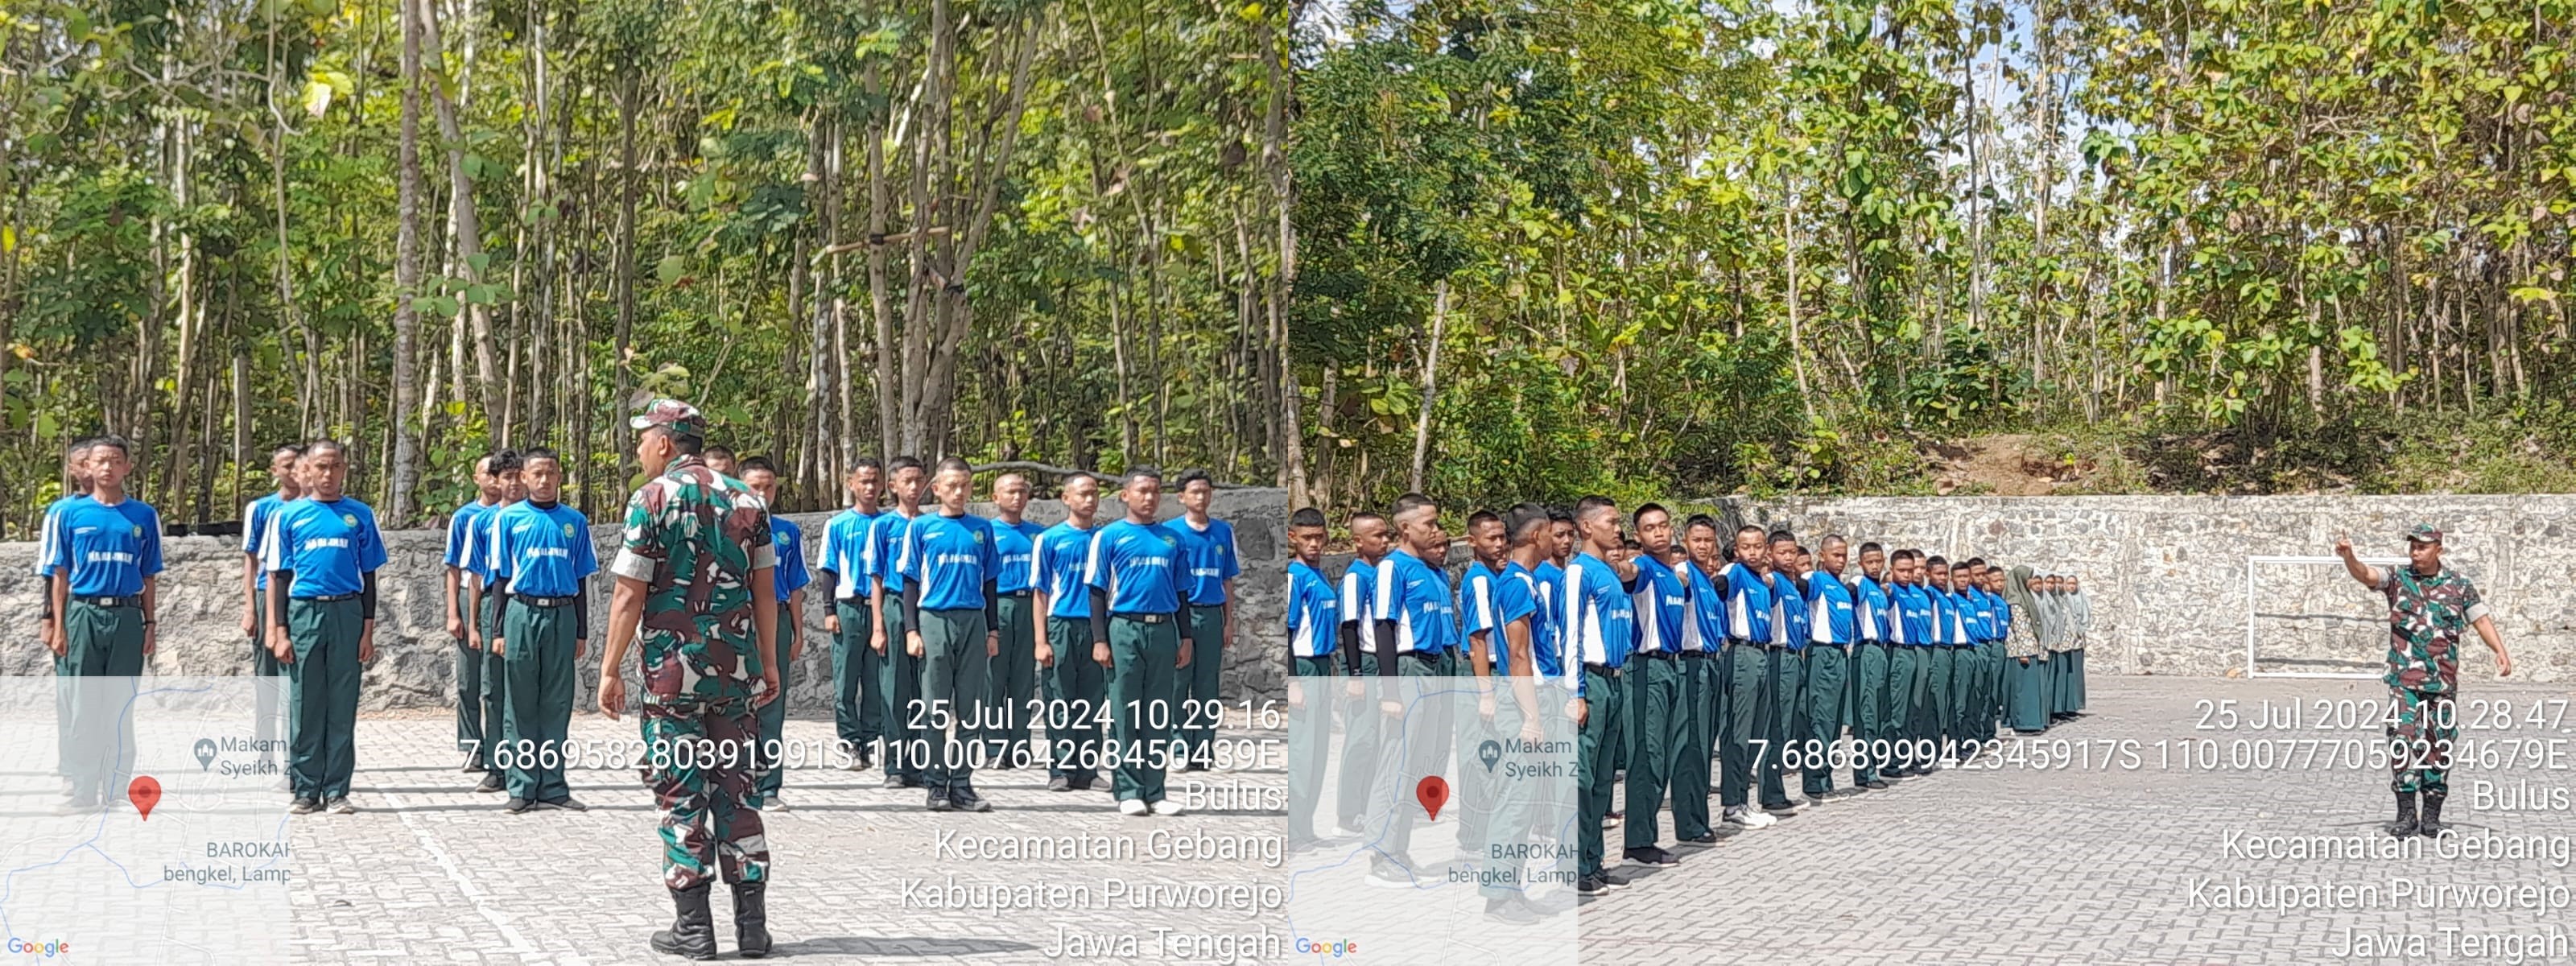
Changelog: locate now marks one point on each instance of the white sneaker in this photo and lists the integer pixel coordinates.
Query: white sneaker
(1132, 806)
(1750, 818)
(1168, 807)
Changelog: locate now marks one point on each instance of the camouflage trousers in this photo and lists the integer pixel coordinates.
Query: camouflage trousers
(2422, 727)
(704, 769)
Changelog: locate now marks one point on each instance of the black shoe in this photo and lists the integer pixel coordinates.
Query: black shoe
(894, 781)
(1591, 885)
(566, 803)
(912, 781)
(1616, 878)
(1651, 855)
(1703, 838)
(473, 763)
(518, 806)
(693, 930)
(750, 919)
(2405, 823)
(2431, 826)
(303, 806)
(964, 799)
(1874, 784)
(1059, 783)
(939, 801)
(491, 782)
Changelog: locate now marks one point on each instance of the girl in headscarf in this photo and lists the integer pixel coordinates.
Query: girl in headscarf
(2025, 661)
(2052, 633)
(2079, 611)
(2059, 641)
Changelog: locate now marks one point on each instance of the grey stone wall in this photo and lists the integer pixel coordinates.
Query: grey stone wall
(200, 611)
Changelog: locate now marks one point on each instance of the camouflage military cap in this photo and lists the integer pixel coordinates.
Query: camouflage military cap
(680, 418)
(2424, 533)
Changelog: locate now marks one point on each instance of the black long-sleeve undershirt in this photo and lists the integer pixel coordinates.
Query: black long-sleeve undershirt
(1347, 644)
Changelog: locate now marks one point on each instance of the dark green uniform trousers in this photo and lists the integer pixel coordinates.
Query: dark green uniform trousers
(858, 704)
(1394, 809)
(2075, 673)
(956, 674)
(2025, 696)
(1825, 693)
(1690, 761)
(1514, 803)
(1907, 666)
(1748, 718)
(772, 717)
(1012, 685)
(907, 746)
(538, 679)
(268, 684)
(1141, 659)
(1360, 720)
(103, 654)
(1195, 704)
(1868, 713)
(1661, 734)
(1310, 729)
(1629, 683)
(1940, 714)
(1964, 671)
(322, 703)
(1077, 703)
(1598, 741)
(1785, 670)
(481, 682)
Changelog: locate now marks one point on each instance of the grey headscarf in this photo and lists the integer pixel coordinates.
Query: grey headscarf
(2079, 612)
(2052, 618)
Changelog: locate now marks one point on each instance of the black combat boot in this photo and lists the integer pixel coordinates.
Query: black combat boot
(751, 918)
(693, 932)
(2405, 823)
(2431, 827)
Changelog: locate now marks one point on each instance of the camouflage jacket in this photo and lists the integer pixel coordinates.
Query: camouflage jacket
(694, 537)
(2425, 618)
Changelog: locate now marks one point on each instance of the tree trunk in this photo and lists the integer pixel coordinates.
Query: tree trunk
(1430, 383)
(406, 444)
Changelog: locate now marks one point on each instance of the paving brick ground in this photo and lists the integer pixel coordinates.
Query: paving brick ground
(2014, 865)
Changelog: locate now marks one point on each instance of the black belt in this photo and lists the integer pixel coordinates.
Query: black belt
(854, 601)
(1425, 657)
(1758, 645)
(1696, 654)
(544, 601)
(328, 598)
(1143, 618)
(1021, 594)
(109, 601)
(1603, 670)
(1658, 655)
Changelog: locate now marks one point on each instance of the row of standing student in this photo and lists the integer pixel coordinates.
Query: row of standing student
(1672, 651)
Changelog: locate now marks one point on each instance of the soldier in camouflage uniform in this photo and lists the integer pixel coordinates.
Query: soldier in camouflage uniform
(696, 575)
(2428, 606)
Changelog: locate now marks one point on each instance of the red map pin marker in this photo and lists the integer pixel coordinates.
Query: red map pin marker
(145, 793)
(1432, 792)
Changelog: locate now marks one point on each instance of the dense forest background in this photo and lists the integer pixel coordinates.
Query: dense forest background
(1487, 250)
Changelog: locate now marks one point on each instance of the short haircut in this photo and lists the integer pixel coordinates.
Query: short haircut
(1833, 540)
(1140, 473)
(1631, 543)
(902, 463)
(1697, 521)
(77, 447)
(1075, 477)
(1482, 517)
(867, 463)
(294, 448)
(1354, 523)
(1640, 515)
(506, 460)
(1903, 555)
(1411, 501)
(1871, 547)
(1783, 536)
(1936, 560)
(113, 440)
(1305, 518)
(535, 453)
(1751, 528)
(1558, 514)
(751, 463)
(952, 464)
(719, 450)
(315, 448)
(1975, 562)
(685, 444)
(1190, 476)
(1586, 508)
(1524, 518)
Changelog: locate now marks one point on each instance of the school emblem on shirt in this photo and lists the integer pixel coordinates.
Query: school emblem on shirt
(979, 538)
(567, 528)
(138, 529)
(349, 519)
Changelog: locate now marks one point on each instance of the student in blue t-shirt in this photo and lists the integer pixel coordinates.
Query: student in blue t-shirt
(1658, 697)
(1076, 681)
(268, 674)
(540, 565)
(1358, 589)
(1012, 684)
(1208, 551)
(1752, 616)
(949, 570)
(1869, 668)
(1139, 596)
(1832, 636)
(1941, 696)
(105, 563)
(463, 527)
(1313, 624)
(1513, 707)
(1703, 689)
(482, 604)
(321, 553)
(858, 707)
(790, 579)
(908, 746)
(1600, 631)
(1910, 665)
(1787, 672)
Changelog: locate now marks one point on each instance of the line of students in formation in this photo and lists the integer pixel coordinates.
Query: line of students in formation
(950, 634)
(1672, 647)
